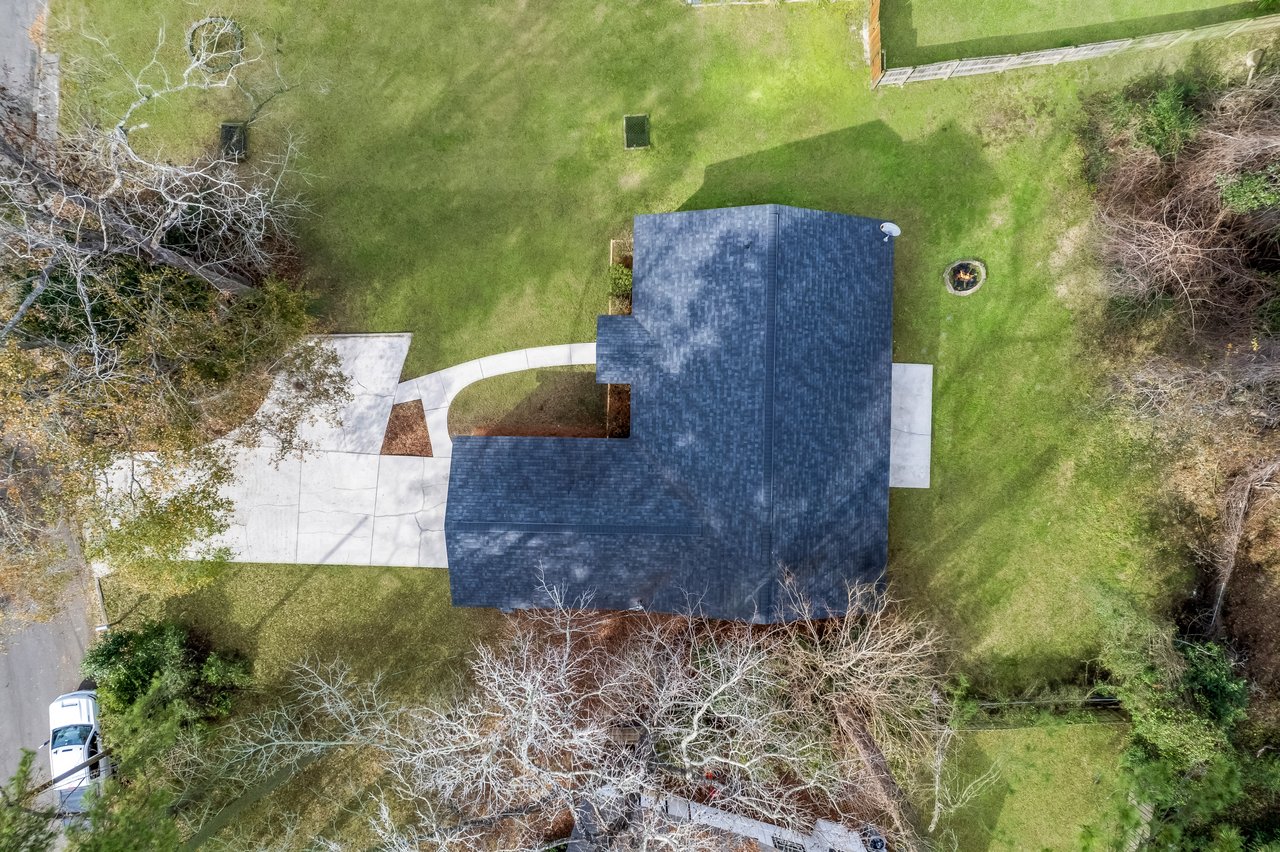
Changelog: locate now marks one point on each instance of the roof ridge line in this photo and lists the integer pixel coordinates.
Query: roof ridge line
(770, 345)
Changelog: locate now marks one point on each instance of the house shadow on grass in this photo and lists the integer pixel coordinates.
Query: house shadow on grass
(938, 188)
(902, 45)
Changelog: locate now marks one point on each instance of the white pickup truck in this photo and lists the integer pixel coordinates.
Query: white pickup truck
(74, 740)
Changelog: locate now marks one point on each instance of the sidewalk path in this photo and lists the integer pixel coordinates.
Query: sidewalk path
(437, 390)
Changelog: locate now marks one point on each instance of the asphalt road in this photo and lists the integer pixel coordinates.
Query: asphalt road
(17, 55)
(41, 661)
(37, 664)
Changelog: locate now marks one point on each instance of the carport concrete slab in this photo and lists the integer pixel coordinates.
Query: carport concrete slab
(433, 553)
(911, 423)
(395, 541)
(265, 495)
(435, 493)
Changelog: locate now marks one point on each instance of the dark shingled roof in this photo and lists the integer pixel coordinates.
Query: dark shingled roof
(758, 354)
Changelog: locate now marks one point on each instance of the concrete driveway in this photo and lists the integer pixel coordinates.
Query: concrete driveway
(37, 664)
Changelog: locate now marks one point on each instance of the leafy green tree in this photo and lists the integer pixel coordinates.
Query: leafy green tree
(133, 818)
(25, 825)
(160, 662)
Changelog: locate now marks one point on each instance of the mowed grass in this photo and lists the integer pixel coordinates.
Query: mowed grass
(467, 171)
(563, 401)
(1049, 783)
(393, 622)
(915, 32)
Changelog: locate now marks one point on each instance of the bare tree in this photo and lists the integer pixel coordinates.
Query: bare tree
(575, 711)
(139, 312)
(1235, 509)
(71, 212)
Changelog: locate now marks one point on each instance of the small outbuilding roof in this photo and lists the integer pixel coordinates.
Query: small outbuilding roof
(758, 353)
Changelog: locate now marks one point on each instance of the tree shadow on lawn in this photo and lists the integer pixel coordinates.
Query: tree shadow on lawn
(397, 621)
(393, 623)
(902, 40)
(974, 823)
(480, 215)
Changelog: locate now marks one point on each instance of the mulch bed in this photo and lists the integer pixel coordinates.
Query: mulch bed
(618, 411)
(407, 431)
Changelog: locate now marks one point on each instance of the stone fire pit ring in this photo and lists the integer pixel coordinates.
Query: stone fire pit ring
(964, 277)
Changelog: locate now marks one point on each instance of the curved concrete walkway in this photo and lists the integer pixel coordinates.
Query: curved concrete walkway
(437, 390)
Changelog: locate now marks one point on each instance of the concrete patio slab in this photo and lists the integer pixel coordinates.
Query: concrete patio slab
(911, 425)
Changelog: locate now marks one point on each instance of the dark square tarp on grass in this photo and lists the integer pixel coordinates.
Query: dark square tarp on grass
(758, 354)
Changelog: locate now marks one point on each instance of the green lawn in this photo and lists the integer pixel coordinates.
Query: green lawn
(1051, 782)
(390, 622)
(393, 621)
(466, 172)
(915, 32)
(562, 401)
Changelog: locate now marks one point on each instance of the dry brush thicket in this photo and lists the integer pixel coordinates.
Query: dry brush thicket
(843, 719)
(1169, 238)
(1196, 232)
(1168, 231)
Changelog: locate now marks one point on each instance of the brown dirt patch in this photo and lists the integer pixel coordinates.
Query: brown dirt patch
(407, 431)
(1253, 598)
(36, 32)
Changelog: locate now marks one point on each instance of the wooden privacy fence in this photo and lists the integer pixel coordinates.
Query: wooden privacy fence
(882, 75)
(874, 49)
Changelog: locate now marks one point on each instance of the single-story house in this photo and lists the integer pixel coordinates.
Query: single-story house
(758, 354)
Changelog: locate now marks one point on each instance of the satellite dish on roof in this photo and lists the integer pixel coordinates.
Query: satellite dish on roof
(890, 230)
